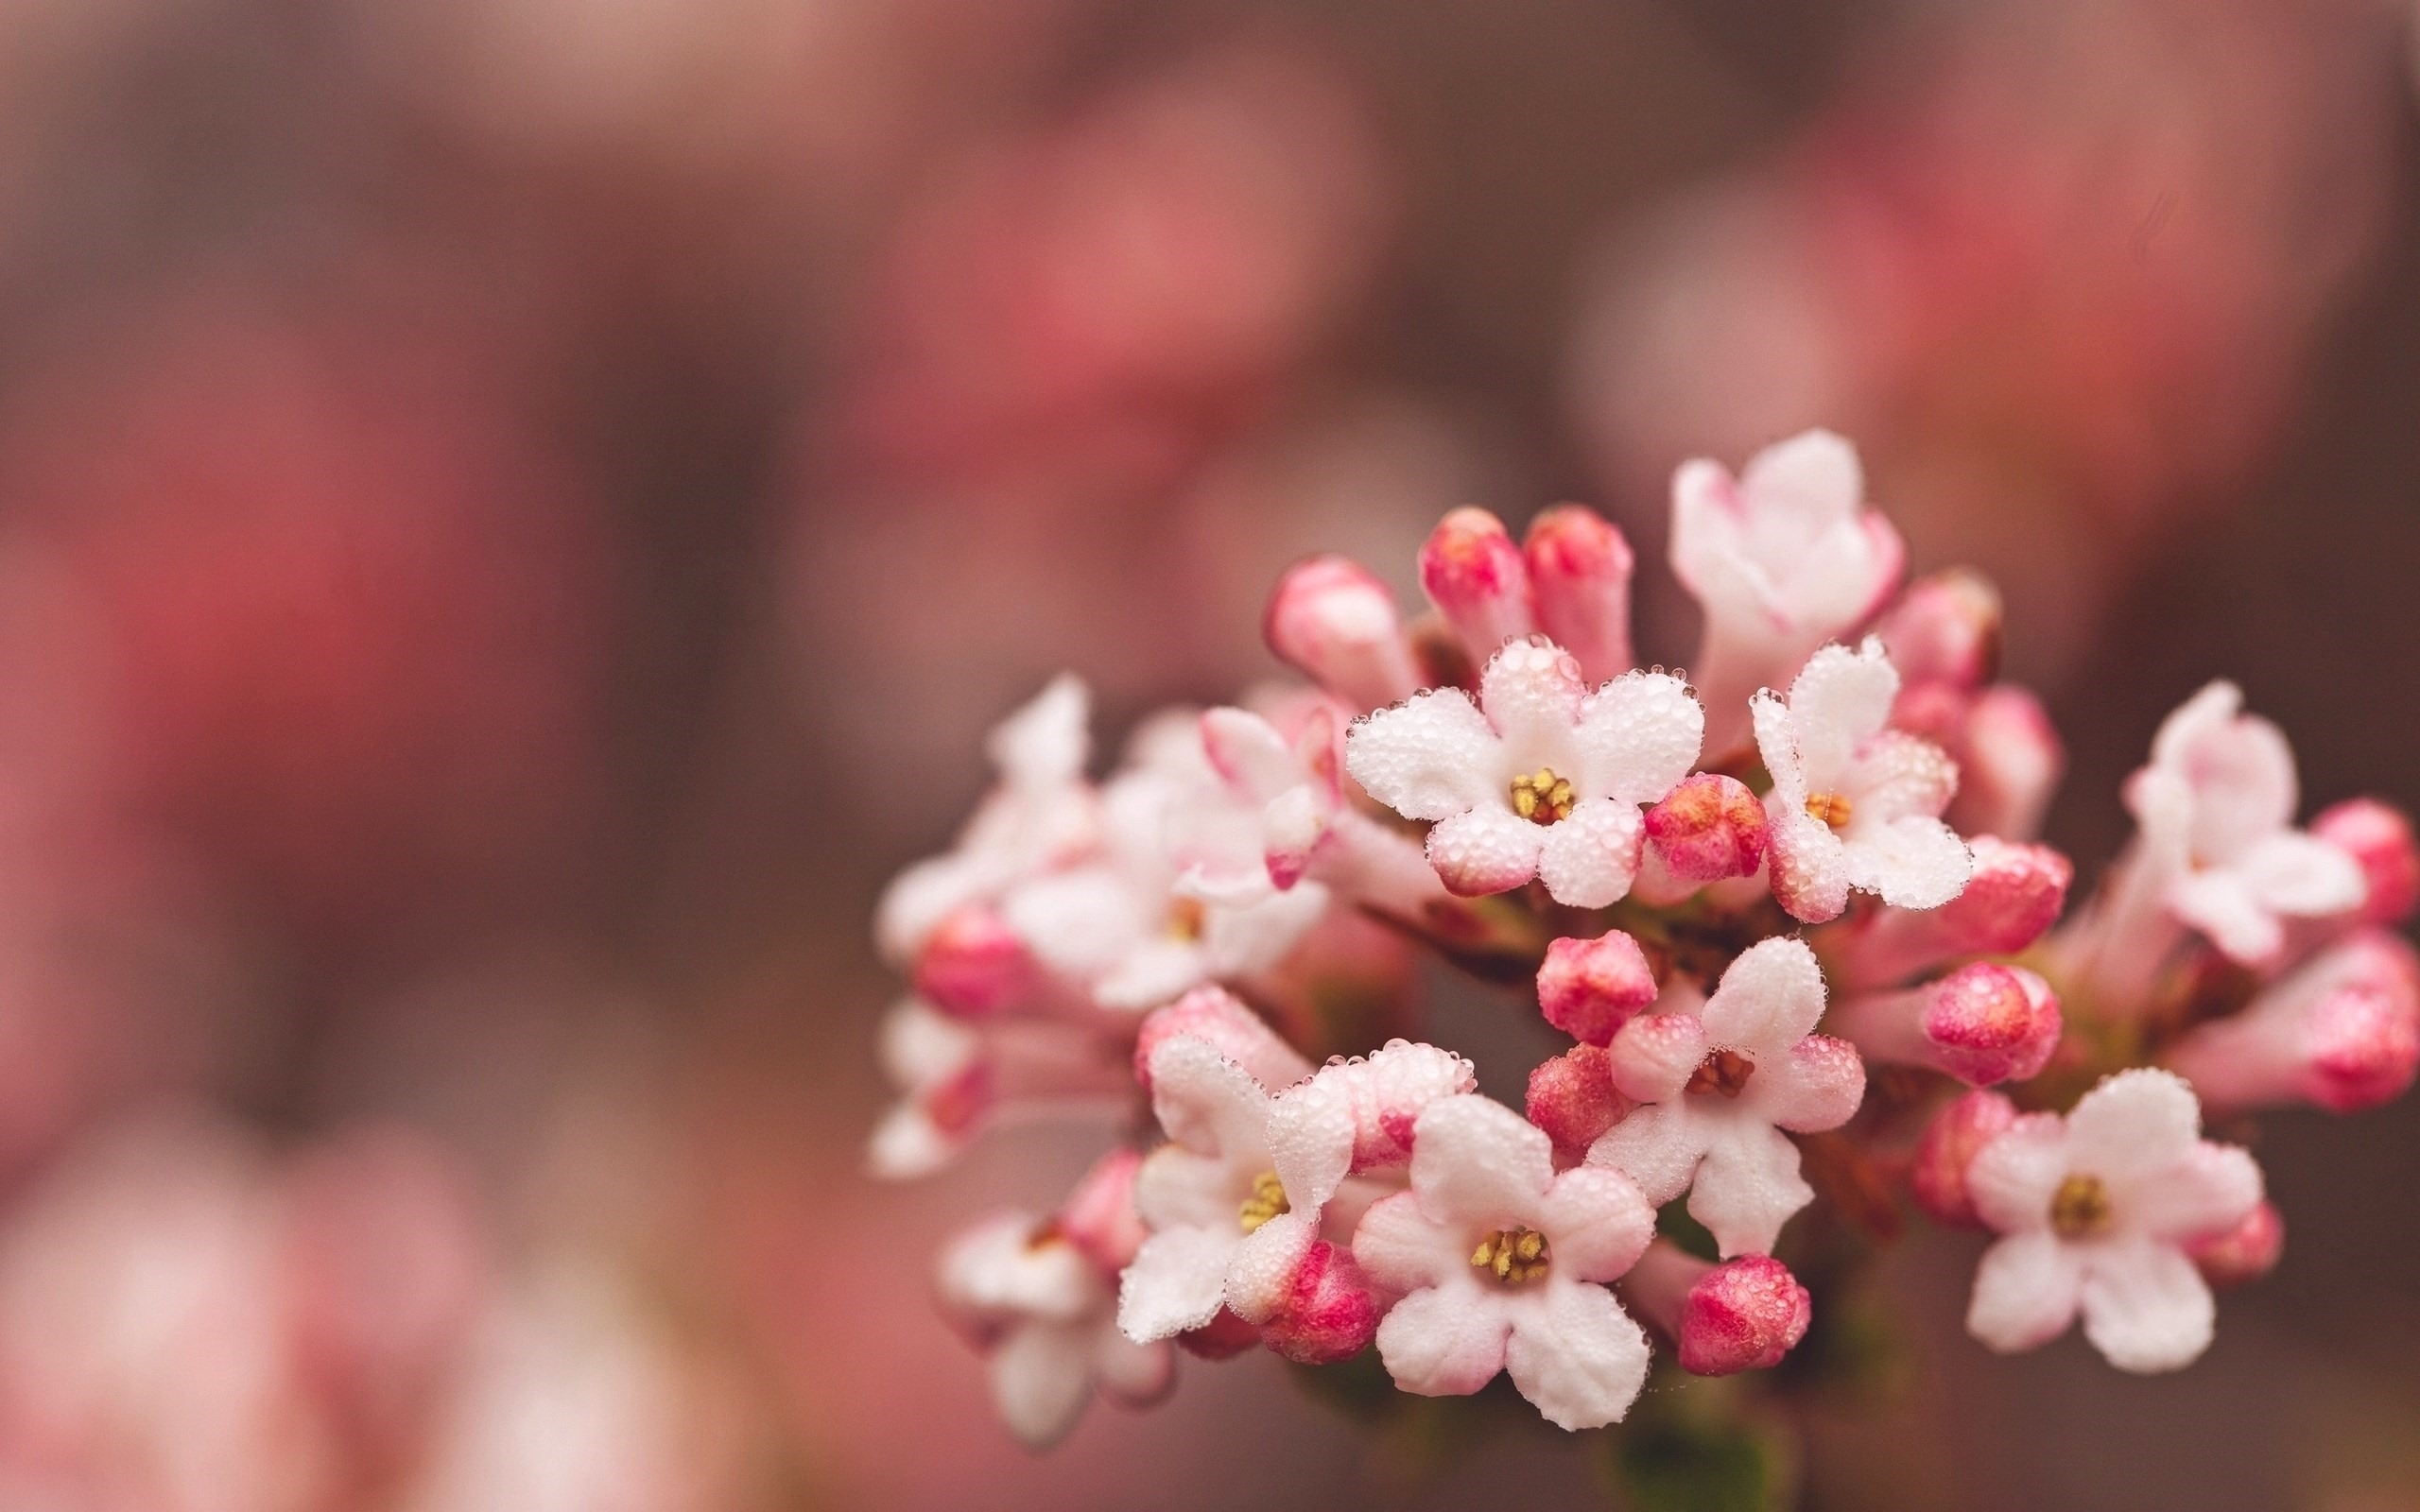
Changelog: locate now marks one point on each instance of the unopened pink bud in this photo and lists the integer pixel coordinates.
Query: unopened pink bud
(1335, 623)
(1956, 1135)
(2342, 1031)
(1709, 828)
(2013, 897)
(1217, 1015)
(1580, 572)
(1946, 629)
(1743, 1315)
(1098, 1216)
(1329, 1313)
(973, 965)
(1572, 1098)
(2009, 765)
(1590, 987)
(1474, 574)
(1981, 1024)
(2379, 836)
(2244, 1253)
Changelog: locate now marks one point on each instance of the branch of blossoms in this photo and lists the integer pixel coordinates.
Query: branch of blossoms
(1787, 909)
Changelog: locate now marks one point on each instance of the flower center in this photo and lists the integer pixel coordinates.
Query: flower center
(1722, 1071)
(1832, 808)
(2080, 1208)
(1516, 1255)
(1044, 1234)
(1267, 1201)
(1542, 797)
(1183, 921)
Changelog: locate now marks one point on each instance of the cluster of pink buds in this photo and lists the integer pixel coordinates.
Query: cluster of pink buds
(1790, 913)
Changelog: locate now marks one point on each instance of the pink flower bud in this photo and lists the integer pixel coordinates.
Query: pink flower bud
(1217, 1015)
(1223, 1338)
(1580, 571)
(1329, 1313)
(2009, 760)
(1474, 574)
(2244, 1253)
(1098, 1216)
(1946, 629)
(1981, 1024)
(1590, 987)
(2376, 835)
(1956, 1135)
(2342, 1031)
(1708, 827)
(1743, 1315)
(2012, 899)
(973, 965)
(1335, 623)
(1572, 1098)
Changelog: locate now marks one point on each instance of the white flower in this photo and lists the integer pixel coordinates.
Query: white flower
(1039, 815)
(1782, 559)
(2098, 1209)
(1309, 830)
(1717, 1083)
(1500, 1260)
(1545, 781)
(1855, 804)
(2217, 809)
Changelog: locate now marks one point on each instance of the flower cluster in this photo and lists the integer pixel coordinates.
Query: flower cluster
(1791, 915)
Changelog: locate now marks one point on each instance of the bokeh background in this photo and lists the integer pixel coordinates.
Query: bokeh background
(515, 513)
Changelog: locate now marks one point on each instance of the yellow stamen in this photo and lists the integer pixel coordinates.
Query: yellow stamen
(1267, 1201)
(2079, 1208)
(1516, 1255)
(1832, 808)
(1722, 1071)
(1185, 919)
(1543, 797)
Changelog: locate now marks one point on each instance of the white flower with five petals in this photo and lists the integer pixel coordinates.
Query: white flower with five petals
(1541, 777)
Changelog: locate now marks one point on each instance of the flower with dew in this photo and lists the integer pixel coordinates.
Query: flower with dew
(1718, 1082)
(1855, 805)
(2098, 1212)
(1500, 1261)
(1309, 830)
(1540, 778)
(1781, 559)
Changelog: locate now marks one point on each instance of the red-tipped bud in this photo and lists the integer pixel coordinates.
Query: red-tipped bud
(973, 965)
(1572, 1098)
(2379, 836)
(1335, 623)
(2009, 765)
(2012, 899)
(1708, 827)
(1956, 1135)
(1223, 1338)
(1329, 1313)
(2244, 1253)
(1098, 1216)
(1214, 1014)
(1981, 1024)
(1590, 987)
(1742, 1315)
(2342, 1031)
(1474, 574)
(1946, 629)
(1580, 570)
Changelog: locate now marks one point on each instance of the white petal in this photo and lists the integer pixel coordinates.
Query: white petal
(1175, 1188)
(1047, 741)
(1532, 692)
(1260, 1274)
(1811, 481)
(1808, 866)
(1155, 971)
(2025, 1292)
(1839, 699)
(1041, 1380)
(1485, 849)
(1768, 999)
(1135, 1374)
(1244, 940)
(1898, 774)
(1778, 745)
(1639, 737)
(2142, 1120)
(1178, 1280)
(1654, 1056)
(1913, 862)
(1658, 1146)
(2145, 1307)
(2013, 1177)
(1080, 923)
(1247, 753)
(2219, 902)
(1405, 1250)
(1595, 1223)
(1432, 755)
(1748, 1187)
(1206, 1102)
(908, 1144)
(1445, 1341)
(2207, 1193)
(1577, 1356)
(2300, 874)
(1589, 859)
(1475, 1161)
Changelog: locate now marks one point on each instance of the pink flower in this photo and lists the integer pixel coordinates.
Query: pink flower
(1573, 1098)
(2244, 1253)
(1717, 1083)
(1547, 782)
(2217, 807)
(1981, 1024)
(1710, 829)
(1854, 804)
(1937, 1177)
(1580, 570)
(1782, 559)
(1308, 829)
(1335, 623)
(1590, 987)
(1499, 1258)
(958, 1080)
(1039, 815)
(2378, 836)
(2342, 1031)
(1742, 1315)
(1476, 576)
(2098, 1210)
(1040, 1301)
